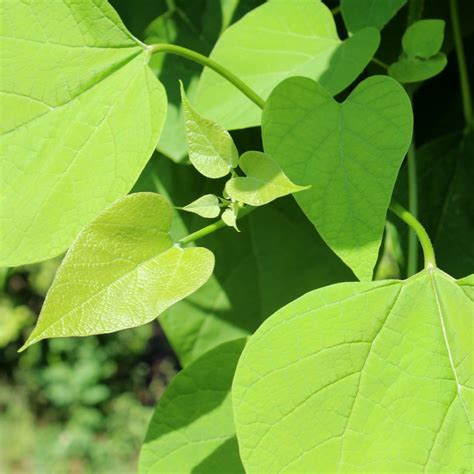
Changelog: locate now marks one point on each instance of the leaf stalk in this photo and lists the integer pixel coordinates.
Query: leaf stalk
(415, 224)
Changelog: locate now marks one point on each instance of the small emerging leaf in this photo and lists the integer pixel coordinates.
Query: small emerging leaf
(361, 377)
(204, 438)
(206, 206)
(122, 271)
(229, 216)
(211, 148)
(423, 39)
(408, 70)
(264, 183)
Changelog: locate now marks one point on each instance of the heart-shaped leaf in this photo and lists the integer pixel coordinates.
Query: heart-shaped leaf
(362, 377)
(206, 206)
(122, 271)
(211, 148)
(83, 113)
(192, 429)
(358, 14)
(279, 39)
(349, 153)
(265, 181)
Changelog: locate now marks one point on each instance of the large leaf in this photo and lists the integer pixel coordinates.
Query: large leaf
(349, 153)
(122, 271)
(192, 429)
(279, 39)
(360, 14)
(83, 113)
(362, 377)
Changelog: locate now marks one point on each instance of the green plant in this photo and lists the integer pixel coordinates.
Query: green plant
(372, 376)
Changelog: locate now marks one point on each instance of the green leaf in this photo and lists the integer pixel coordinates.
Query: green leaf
(358, 14)
(361, 377)
(279, 39)
(122, 271)
(408, 70)
(230, 215)
(264, 183)
(211, 148)
(84, 114)
(349, 153)
(192, 429)
(205, 206)
(423, 39)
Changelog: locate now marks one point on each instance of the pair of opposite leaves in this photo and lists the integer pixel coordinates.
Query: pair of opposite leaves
(354, 377)
(79, 131)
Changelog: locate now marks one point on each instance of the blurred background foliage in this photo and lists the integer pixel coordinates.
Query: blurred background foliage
(82, 405)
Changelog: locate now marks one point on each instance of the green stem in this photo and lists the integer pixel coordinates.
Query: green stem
(412, 263)
(463, 75)
(336, 10)
(199, 234)
(415, 11)
(414, 223)
(207, 62)
(380, 63)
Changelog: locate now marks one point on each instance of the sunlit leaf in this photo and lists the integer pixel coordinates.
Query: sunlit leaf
(229, 216)
(265, 181)
(349, 153)
(192, 429)
(358, 14)
(424, 38)
(279, 39)
(205, 206)
(83, 113)
(361, 377)
(122, 271)
(211, 148)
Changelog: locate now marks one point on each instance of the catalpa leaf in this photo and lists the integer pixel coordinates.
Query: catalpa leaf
(361, 377)
(279, 39)
(206, 206)
(423, 39)
(358, 14)
(211, 148)
(83, 113)
(192, 429)
(408, 70)
(349, 153)
(122, 271)
(264, 183)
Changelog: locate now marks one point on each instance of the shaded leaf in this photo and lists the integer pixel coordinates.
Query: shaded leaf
(349, 153)
(362, 377)
(211, 148)
(78, 131)
(279, 39)
(192, 429)
(122, 271)
(408, 70)
(358, 14)
(264, 183)
(424, 38)
(205, 206)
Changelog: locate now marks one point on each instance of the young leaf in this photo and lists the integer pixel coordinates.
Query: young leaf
(264, 183)
(423, 39)
(349, 153)
(358, 14)
(211, 148)
(205, 206)
(408, 70)
(78, 131)
(229, 216)
(122, 271)
(279, 39)
(361, 377)
(192, 429)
